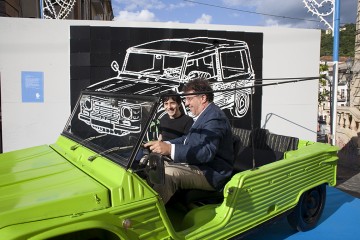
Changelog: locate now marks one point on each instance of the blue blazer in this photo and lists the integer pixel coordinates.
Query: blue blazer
(209, 146)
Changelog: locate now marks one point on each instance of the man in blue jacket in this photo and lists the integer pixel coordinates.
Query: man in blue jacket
(202, 159)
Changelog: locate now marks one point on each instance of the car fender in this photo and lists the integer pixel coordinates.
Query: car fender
(81, 226)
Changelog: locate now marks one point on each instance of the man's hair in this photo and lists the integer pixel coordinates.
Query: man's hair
(200, 85)
(171, 95)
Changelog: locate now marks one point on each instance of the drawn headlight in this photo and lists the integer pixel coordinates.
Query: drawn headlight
(126, 112)
(87, 104)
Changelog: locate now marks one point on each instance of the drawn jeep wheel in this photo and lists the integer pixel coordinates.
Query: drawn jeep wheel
(241, 104)
(308, 211)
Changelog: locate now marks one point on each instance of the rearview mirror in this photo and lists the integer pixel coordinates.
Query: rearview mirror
(155, 169)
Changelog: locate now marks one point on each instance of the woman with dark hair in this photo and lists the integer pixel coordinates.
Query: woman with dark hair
(175, 123)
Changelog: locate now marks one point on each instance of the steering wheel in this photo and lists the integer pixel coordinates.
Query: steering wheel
(143, 161)
(167, 158)
(146, 152)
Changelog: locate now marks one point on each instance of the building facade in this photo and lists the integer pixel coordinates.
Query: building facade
(70, 9)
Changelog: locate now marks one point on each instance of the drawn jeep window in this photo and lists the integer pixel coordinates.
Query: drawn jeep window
(201, 67)
(158, 64)
(235, 64)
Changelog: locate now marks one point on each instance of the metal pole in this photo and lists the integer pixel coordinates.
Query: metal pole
(335, 70)
(331, 109)
(41, 9)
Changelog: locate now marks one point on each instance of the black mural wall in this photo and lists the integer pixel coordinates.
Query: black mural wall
(94, 49)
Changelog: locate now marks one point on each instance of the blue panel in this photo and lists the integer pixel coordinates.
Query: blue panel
(32, 86)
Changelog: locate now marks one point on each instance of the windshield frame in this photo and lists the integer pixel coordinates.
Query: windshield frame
(124, 162)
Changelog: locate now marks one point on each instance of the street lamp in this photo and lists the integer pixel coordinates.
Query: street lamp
(349, 64)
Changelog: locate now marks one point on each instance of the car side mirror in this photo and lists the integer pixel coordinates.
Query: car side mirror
(156, 170)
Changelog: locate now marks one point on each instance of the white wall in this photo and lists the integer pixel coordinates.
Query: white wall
(43, 45)
(31, 45)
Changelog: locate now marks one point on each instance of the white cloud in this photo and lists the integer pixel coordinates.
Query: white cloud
(204, 19)
(239, 3)
(173, 22)
(179, 5)
(132, 5)
(138, 16)
(274, 23)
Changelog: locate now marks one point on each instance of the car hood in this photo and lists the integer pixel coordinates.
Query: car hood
(136, 84)
(38, 183)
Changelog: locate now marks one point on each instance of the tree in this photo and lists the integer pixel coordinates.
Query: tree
(346, 42)
(325, 94)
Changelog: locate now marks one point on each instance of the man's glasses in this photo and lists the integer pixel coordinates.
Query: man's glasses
(190, 98)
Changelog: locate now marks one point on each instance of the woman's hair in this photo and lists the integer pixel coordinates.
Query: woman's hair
(171, 95)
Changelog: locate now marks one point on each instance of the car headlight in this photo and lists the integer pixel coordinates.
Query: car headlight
(87, 104)
(126, 113)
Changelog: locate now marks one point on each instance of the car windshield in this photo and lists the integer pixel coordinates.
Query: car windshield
(110, 124)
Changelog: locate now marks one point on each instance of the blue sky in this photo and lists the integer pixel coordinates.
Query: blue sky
(229, 12)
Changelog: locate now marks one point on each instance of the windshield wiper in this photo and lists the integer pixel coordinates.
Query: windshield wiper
(92, 158)
(86, 140)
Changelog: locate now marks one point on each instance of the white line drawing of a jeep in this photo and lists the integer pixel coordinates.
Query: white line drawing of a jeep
(170, 63)
(108, 115)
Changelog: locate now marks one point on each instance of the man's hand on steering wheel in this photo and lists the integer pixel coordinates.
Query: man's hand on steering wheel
(159, 147)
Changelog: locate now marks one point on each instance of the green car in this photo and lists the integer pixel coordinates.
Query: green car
(93, 184)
